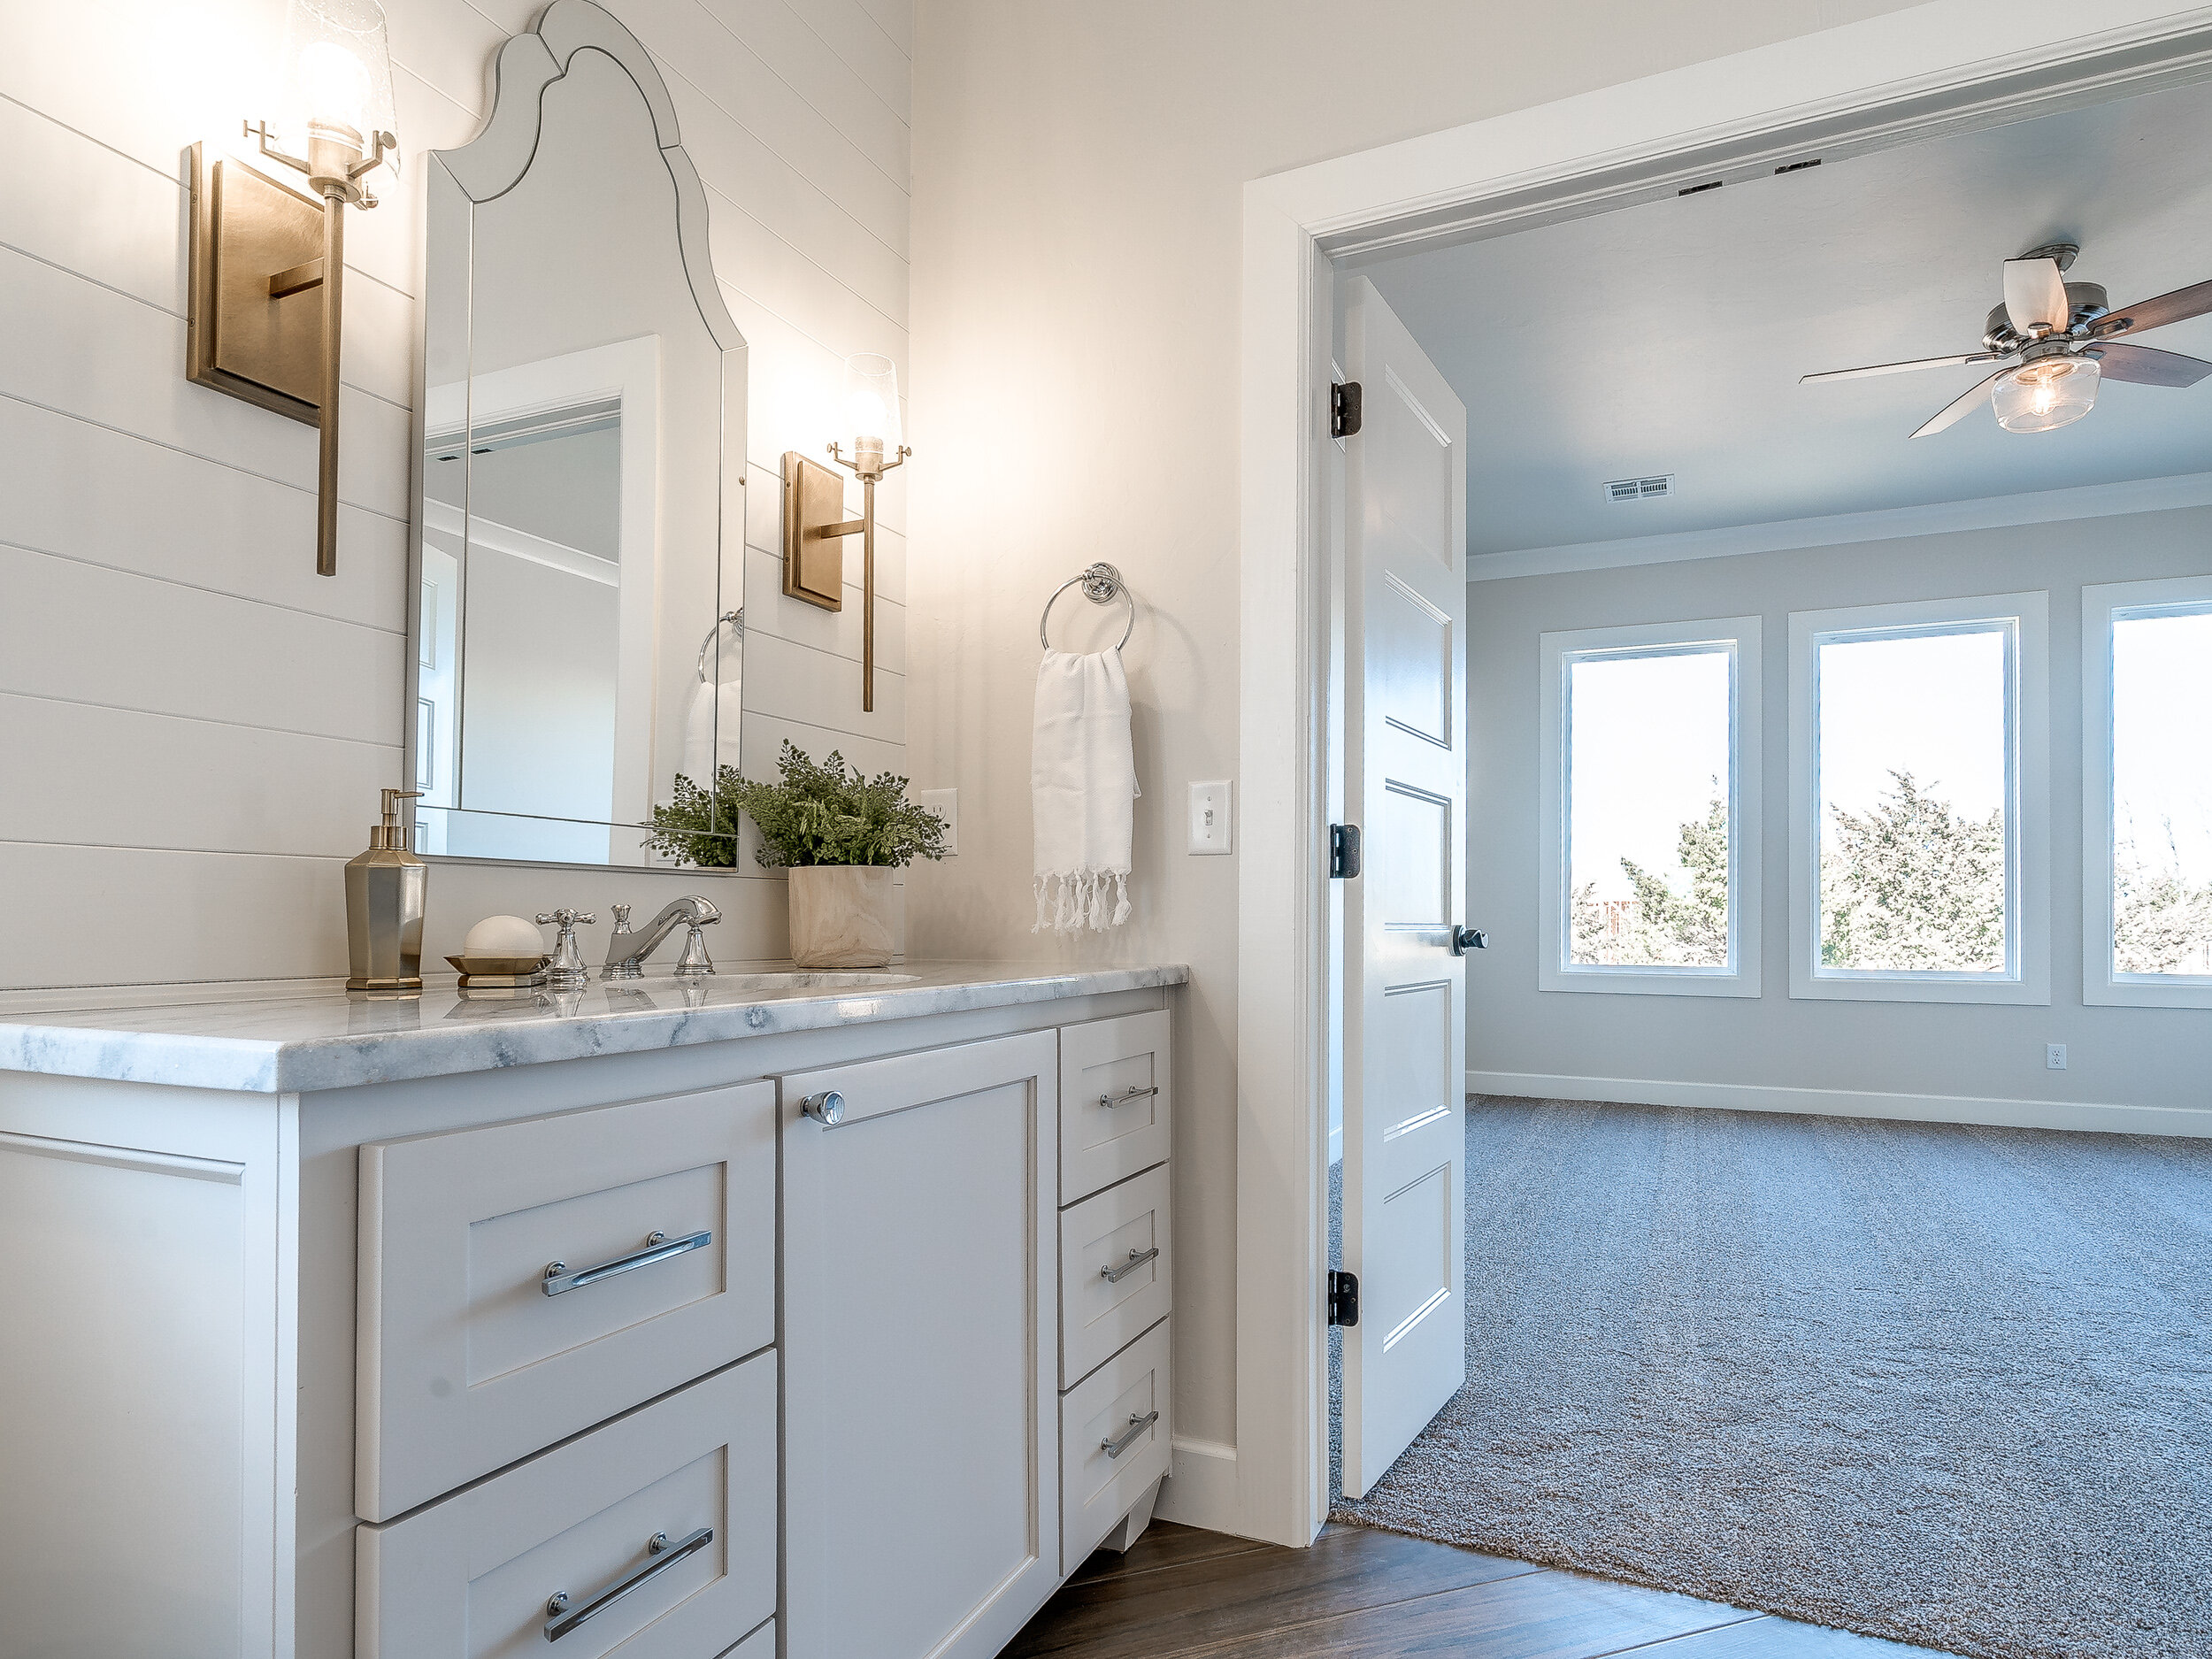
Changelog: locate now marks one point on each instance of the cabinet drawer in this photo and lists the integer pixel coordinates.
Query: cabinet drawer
(1102, 1061)
(466, 1362)
(473, 1576)
(1110, 1408)
(1117, 1231)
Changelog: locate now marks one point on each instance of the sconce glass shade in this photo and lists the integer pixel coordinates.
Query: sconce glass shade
(2047, 393)
(872, 402)
(337, 68)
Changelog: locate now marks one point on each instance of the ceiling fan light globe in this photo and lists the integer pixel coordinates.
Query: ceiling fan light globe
(2046, 394)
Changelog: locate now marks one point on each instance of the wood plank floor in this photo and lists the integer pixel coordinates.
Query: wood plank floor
(1359, 1594)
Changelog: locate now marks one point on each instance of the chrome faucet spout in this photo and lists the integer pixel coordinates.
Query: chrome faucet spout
(626, 952)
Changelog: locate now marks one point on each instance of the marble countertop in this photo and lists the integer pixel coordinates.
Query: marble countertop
(282, 1038)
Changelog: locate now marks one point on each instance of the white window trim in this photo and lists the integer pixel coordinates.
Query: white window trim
(2027, 812)
(1740, 978)
(2099, 986)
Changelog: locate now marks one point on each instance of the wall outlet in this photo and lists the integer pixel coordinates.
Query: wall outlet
(1212, 827)
(946, 804)
(2054, 1056)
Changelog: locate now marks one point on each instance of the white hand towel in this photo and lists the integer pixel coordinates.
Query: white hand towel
(703, 738)
(1082, 779)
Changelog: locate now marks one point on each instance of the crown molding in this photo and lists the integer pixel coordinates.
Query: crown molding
(1885, 524)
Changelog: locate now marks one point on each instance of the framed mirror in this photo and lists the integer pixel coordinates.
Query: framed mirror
(578, 632)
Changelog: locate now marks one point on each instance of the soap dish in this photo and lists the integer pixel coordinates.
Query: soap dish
(499, 972)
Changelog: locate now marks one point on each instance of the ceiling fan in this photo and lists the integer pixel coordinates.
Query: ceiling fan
(2066, 339)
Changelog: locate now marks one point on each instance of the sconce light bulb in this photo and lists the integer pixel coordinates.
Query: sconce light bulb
(336, 85)
(871, 402)
(864, 416)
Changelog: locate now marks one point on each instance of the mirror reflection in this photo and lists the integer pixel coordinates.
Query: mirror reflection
(579, 642)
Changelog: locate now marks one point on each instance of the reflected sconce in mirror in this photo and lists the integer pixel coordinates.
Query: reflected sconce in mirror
(814, 525)
(268, 263)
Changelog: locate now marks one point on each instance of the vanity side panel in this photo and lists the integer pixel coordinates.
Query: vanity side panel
(145, 1230)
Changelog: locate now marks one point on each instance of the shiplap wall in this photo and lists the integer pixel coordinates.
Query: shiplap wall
(193, 725)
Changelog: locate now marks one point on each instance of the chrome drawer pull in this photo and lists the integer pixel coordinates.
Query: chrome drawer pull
(1131, 1093)
(1137, 1259)
(658, 1247)
(1128, 1437)
(560, 1621)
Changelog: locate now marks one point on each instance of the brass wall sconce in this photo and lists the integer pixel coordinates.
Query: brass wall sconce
(814, 502)
(259, 246)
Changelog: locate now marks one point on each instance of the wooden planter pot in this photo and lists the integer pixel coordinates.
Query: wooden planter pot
(841, 916)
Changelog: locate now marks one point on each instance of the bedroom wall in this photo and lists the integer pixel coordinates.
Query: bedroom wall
(1963, 1062)
(193, 725)
(1078, 240)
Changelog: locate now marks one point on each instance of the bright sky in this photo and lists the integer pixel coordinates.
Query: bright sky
(1932, 705)
(2161, 760)
(1649, 735)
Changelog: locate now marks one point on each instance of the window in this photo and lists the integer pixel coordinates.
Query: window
(1917, 807)
(1650, 809)
(2146, 793)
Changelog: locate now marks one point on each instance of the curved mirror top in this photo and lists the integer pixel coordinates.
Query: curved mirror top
(579, 639)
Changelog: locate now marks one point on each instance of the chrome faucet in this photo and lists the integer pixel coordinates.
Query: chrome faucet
(626, 952)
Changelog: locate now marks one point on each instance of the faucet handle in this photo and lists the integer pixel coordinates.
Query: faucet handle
(621, 919)
(567, 971)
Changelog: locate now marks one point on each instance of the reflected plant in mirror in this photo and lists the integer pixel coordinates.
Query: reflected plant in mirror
(581, 558)
(815, 814)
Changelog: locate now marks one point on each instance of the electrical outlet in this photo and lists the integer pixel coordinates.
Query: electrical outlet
(1211, 827)
(946, 804)
(2054, 1056)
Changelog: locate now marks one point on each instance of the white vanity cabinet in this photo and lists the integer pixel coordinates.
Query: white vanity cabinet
(385, 1331)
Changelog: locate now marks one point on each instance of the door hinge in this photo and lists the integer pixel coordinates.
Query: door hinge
(1343, 851)
(1343, 1298)
(1344, 406)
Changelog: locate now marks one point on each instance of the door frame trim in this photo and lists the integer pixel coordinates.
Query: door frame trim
(1885, 80)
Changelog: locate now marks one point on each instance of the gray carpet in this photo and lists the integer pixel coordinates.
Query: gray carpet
(1949, 1386)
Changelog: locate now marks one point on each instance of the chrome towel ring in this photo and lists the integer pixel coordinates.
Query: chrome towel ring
(1102, 586)
(734, 619)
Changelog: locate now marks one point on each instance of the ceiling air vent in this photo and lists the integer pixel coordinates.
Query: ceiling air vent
(1639, 488)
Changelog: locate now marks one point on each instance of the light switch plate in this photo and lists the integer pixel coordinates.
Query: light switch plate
(1212, 820)
(946, 804)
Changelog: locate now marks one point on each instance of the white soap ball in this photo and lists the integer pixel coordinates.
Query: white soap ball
(504, 936)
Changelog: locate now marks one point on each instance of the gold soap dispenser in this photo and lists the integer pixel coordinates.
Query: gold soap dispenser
(386, 890)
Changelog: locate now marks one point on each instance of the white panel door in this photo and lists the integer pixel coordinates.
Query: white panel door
(921, 1421)
(1405, 987)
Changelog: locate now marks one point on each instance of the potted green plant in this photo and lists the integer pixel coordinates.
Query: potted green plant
(840, 834)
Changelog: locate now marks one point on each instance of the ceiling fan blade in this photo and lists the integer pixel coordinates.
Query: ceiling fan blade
(1898, 368)
(2035, 296)
(1957, 412)
(2147, 366)
(2177, 306)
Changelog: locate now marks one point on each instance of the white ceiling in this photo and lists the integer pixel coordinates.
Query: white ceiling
(1670, 337)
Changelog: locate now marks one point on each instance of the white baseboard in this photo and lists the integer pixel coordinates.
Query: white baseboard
(1202, 1485)
(1828, 1103)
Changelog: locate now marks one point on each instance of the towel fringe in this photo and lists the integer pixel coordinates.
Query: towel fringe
(1083, 900)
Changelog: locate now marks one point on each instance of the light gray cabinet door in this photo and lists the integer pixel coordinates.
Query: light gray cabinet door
(921, 1415)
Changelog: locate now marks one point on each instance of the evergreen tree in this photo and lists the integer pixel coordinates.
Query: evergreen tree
(2159, 921)
(1911, 884)
(1687, 930)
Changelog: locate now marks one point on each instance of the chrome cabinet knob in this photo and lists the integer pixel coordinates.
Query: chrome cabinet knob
(827, 1108)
